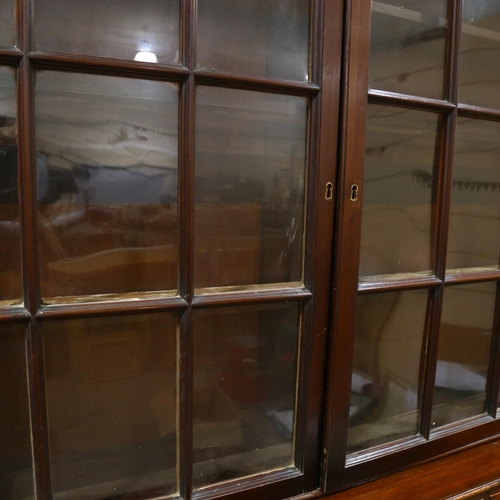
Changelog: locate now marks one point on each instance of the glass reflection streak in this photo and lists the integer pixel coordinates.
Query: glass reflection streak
(399, 177)
(408, 40)
(245, 362)
(111, 404)
(463, 352)
(279, 43)
(10, 248)
(385, 379)
(107, 184)
(250, 187)
(114, 28)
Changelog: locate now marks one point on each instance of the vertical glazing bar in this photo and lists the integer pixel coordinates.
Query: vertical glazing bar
(186, 255)
(355, 90)
(27, 197)
(442, 217)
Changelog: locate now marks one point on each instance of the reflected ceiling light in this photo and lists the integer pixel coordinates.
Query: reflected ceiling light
(146, 56)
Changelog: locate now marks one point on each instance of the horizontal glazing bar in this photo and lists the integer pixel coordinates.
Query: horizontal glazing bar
(13, 313)
(220, 78)
(121, 306)
(409, 101)
(471, 275)
(250, 297)
(395, 282)
(8, 55)
(103, 65)
(478, 112)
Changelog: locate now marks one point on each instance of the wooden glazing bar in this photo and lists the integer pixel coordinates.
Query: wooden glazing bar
(478, 112)
(31, 292)
(442, 215)
(185, 405)
(250, 297)
(273, 85)
(13, 313)
(185, 340)
(38, 411)
(89, 309)
(273, 485)
(324, 129)
(187, 116)
(10, 55)
(351, 171)
(398, 284)
(429, 361)
(482, 428)
(409, 101)
(107, 66)
(472, 276)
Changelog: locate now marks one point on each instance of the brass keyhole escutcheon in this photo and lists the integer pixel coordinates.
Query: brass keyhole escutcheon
(354, 192)
(329, 191)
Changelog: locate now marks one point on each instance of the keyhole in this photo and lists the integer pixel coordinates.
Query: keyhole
(354, 192)
(329, 191)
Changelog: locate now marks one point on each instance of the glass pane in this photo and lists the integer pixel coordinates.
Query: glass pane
(145, 31)
(245, 362)
(8, 23)
(16, 474)
(255, 37)
(385, 379)
(111, 397)
(474, 234)
(10, 249)
(408, 42)
(250, 182)
(463, 352)
(107, 184)
(479, 69)
(402, 153)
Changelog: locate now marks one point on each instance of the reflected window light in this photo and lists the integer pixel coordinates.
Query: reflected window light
(146, 56)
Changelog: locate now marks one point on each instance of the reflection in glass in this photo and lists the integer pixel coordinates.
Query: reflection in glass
(463, 352)
(408, 42)
(474, 234)
(8, 23)
(255, 37)
(401, 155)
(479, 51)
(111, 397)
(385, 379)
(107, 184)
(10, 250)
(250, 182)
(114, 28)
(16, 475)
(245, 362)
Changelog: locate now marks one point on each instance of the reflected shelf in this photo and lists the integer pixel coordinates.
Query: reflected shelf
(410, 15)
(418, 17)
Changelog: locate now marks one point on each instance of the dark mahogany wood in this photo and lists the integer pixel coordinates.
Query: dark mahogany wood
(345, 287)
